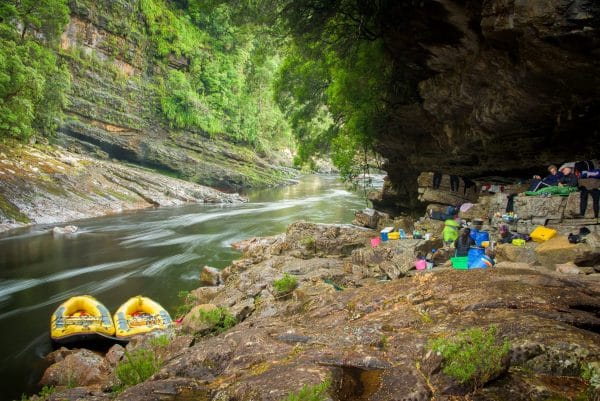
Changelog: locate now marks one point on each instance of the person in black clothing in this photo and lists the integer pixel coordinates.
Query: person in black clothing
(454, 183)
(463, 243)
(593, 192)
(468, 184)
(568, 179)
(437, 180)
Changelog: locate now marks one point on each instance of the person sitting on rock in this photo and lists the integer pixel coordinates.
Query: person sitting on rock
(551, 179)
(463, 243)
(568, 179)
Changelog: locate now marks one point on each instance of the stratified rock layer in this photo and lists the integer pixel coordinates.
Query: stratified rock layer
(114, 108)
(51, 185)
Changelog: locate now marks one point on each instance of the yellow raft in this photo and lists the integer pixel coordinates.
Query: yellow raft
(140, 315)
(80, 318)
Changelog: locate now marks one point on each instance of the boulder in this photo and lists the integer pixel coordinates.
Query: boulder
(550, 208)
(242, 309)
(559, 250)
(512, 253)
(59, 354)
(368, 218)
(568, 268)
(445, 197)
(441, 256)
(311, 289)
(114, 355)
(64, 230)
(77, 394)
(81, 368)
(572, 206)
(325, 239)
(514, 265)
(479, 210)
(192, 323)
(210, 276)
(394, 258)
(167, 389)
(205, 295)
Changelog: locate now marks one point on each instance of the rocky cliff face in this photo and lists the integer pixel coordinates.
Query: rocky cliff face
(114, 113)
(49, 186)
(493, 87)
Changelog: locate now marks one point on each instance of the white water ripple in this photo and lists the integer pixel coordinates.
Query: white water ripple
(157, 267)
(9, 287)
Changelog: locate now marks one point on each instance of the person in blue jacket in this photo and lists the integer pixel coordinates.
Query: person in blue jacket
(550, 180)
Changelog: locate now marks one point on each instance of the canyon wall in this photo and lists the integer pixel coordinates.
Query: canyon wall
(114, 110)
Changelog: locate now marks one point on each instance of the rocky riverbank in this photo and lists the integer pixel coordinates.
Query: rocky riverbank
(49, 185)
(362, 319)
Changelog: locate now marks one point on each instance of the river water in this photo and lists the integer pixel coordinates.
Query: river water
(154, 252)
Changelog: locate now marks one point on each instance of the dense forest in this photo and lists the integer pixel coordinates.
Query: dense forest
(306, 74)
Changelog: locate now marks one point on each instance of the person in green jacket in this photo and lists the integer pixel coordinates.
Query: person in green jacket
(450, 232)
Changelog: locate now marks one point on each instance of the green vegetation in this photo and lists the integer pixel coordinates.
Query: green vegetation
(309, 242)
(160, 341)
(224, 85)
(141, 363)
(285, 285)
(472, 356)
(311, 393)
(251, 73)
(187, 303)
(32, 80)
(44, 394)
(137, 366)
(11, 211)
(590, 372)
(219, 318)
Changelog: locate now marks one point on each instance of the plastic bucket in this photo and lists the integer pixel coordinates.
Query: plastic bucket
(459, 262)
(420, 264)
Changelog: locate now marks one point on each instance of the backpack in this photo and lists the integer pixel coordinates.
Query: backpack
(584, 165)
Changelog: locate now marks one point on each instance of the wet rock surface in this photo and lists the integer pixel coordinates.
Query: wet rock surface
(44, 185)
(368, 336)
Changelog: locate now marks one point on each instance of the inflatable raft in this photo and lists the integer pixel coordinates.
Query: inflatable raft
(140, 315)
(81, 318)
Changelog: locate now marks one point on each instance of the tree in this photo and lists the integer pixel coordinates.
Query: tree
(44, 17)
(334, 83)
(33, 82)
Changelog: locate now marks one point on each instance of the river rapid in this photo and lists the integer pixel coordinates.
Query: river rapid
(153, 252)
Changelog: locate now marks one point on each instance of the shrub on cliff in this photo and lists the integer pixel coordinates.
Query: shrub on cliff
(187, 303)
(311, 393)
(219, 318)
(285, 285)
(472, 356)
(141, 363)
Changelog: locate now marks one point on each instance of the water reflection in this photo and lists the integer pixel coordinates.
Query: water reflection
(155, 252)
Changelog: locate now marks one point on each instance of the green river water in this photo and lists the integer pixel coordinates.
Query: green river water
(154, 252)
